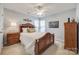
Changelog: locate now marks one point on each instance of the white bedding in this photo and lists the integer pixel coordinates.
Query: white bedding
(28, 40)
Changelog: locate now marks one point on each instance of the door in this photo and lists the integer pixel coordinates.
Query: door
(1, 28)
(1, 19)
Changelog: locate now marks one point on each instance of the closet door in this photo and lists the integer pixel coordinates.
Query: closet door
(1, 19)
(1, 28)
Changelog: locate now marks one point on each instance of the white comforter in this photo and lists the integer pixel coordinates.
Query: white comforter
(28, 40)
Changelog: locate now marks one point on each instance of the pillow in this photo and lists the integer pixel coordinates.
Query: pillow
(24, 29)
(30, 30)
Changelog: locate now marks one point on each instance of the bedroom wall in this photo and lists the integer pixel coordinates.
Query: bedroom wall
(12, 21)
(61, 17)
(13, 17)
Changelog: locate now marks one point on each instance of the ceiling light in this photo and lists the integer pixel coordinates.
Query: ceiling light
(40, 13)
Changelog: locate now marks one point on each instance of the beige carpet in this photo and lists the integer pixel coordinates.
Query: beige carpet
(18, 49)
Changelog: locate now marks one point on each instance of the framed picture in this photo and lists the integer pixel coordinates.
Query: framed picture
(54, 24)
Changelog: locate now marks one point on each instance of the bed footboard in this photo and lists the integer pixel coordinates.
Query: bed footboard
(43, 43)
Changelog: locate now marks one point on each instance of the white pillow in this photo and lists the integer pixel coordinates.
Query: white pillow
(24, 29)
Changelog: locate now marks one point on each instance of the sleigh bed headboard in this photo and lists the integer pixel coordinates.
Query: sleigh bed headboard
(27, 25)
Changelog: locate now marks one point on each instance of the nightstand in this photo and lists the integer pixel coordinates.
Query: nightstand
(13, 38)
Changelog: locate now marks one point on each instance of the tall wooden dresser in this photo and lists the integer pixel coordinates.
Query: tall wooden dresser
(70, 32)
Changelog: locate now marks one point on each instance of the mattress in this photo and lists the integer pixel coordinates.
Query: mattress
(28, 40)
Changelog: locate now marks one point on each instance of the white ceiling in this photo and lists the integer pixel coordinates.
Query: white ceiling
(50, 8)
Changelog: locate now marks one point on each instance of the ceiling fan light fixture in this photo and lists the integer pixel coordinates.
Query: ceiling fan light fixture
(40, 13)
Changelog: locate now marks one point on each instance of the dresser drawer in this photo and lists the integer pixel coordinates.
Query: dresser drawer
(12, 38)
(13, 35)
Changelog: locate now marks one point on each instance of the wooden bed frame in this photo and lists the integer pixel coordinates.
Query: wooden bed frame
(43, 43)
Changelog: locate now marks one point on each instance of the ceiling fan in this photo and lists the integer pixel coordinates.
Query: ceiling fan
(39, 9)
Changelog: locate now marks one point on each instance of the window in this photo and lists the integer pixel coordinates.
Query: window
(42, 26)
(36, 23)
(39, 25)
